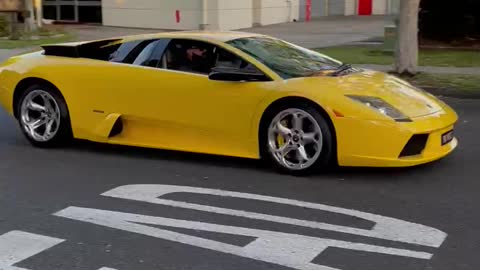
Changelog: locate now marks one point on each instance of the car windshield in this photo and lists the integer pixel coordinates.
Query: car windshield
(286, 59)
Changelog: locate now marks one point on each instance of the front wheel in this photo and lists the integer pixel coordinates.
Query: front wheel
(43, 116)
(298, 140)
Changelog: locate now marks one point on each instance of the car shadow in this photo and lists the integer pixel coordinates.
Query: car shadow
(383, 174)
(167, 155)
(336, 172)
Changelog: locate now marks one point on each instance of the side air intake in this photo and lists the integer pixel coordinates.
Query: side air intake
(415, 145)
(99, 49)
(117, 128)
(59, 50)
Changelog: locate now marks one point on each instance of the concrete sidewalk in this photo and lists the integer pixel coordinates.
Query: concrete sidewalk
(326, 32)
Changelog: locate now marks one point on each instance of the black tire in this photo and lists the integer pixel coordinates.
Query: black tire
(64, 134)
(326, 160)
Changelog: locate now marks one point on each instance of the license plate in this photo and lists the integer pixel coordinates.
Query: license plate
(447, 137)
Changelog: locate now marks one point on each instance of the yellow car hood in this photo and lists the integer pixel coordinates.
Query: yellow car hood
(403, 96)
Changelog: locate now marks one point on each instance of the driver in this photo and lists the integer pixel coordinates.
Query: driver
(195, 52)
(197, 59)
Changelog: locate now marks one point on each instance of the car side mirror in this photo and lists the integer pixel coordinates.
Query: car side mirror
(236, 75)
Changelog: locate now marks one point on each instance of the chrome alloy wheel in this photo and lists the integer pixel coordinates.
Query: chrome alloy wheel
(295, 139)
(40, 115)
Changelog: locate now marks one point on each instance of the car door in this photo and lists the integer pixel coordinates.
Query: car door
(204, 115)
(118, 86)
(131, 87)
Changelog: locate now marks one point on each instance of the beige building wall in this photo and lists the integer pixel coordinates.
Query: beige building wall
(215, 14)
(350, 7)
(198, 14)
(234, 14)
(152, 13)
(257, 12)
(275, 11)
(379, 7)
(393, 7)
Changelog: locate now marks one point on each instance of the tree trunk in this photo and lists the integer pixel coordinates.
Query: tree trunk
(30, 24)
(39, 13)
(406, 58)
(14, 33)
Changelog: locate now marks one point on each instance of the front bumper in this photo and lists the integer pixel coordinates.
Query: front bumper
(363, 143)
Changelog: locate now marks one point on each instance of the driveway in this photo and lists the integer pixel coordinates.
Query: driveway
(320, 32)
(325, 32)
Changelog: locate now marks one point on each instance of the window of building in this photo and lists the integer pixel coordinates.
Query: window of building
(90, 14)
(50, 12)
(67, 12)
(88, 11)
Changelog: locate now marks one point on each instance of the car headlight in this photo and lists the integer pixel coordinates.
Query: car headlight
(381, 106)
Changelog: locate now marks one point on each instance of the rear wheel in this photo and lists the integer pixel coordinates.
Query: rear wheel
(43, 116)
(298, 140)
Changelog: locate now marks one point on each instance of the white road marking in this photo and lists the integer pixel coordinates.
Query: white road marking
(16, 246)
(385, 227)
(107, 268)
(286, 249)
(291, 250)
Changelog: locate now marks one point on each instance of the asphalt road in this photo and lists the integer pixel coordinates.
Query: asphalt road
(35, 184)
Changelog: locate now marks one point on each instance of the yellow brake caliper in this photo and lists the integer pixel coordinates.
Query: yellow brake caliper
(280, 139)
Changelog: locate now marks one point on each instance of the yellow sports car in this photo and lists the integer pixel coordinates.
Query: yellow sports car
(224, 93)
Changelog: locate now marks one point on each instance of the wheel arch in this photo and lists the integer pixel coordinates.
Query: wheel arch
(268, 113)
(23, 86)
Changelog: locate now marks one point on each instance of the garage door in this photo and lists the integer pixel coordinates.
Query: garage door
(318, 8)
(335, 7)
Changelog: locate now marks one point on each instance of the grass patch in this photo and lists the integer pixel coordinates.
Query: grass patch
(357, 54)
(25, 43)
(456, 82)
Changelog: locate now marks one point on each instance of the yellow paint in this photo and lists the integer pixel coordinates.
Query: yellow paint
(180, 111)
